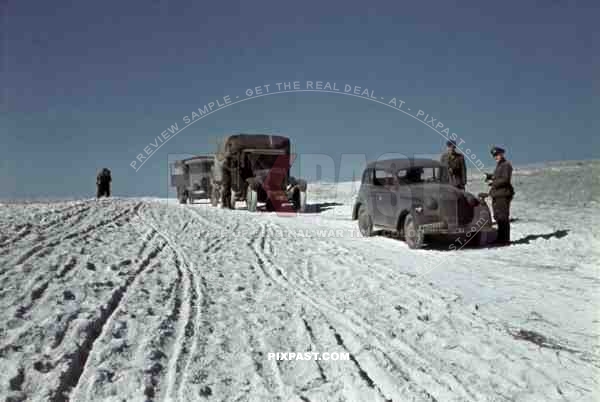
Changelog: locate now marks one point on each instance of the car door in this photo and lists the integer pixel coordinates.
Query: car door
(382, 198)
(404, 194)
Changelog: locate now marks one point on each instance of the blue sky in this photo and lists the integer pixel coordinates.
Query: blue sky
(90, 84)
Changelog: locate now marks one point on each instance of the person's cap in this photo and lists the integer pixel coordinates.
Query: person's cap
(450, 143)
(496, 150)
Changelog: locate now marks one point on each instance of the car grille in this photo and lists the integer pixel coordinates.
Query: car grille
(456, 212)
(465, 211)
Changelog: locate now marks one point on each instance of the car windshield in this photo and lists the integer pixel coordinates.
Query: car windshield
(419, 175)
(200, 167)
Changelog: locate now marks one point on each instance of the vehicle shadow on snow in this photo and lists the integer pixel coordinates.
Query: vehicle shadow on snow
(316, 208)
(320, 207)
(559, 234)
(445, 244)
(437, 243)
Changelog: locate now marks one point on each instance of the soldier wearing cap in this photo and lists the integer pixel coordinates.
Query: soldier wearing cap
(502, 193)
(455, 172)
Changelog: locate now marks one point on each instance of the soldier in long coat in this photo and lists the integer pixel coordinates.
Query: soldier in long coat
(502, 193)
(455, 172)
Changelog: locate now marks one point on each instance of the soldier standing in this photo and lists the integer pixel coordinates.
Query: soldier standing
(456, 167)
(226, 201)
(502, 193)
(103, 180)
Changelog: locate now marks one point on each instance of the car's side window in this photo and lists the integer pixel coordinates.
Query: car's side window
(384, 178)
(401, 175)
(412, 175)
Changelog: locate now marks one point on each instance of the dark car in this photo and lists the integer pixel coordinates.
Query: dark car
(406, 196)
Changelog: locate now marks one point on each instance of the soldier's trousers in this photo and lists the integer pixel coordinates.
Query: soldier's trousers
(501, 209)
(226, 194)
(102, 190)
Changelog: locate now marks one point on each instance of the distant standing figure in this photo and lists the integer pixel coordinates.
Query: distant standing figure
(502, 193)
(103, 181)
(456, 167)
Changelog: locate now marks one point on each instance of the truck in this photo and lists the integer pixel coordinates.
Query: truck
(192, 177)
(255, 168)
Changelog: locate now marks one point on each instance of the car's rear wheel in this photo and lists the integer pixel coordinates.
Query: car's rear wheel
(365, 223)
(412, 235)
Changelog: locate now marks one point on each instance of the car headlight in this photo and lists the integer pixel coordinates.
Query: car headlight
(431, 203)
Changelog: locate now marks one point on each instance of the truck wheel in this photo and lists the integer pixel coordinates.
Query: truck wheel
(365, 223)
(214, 197)
(299, 200)
(412, 235)
(296, 199)
(302, 201)
(232, 200)
(251, 199)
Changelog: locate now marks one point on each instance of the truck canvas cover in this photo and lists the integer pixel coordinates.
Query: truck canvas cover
(238, 142)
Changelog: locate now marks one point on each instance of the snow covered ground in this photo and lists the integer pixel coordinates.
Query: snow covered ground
(145, 299)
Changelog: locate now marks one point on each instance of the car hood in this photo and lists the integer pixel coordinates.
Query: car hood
(437, 191)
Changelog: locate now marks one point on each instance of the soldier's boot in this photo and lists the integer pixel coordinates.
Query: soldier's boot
(503, 233)
(226, 199)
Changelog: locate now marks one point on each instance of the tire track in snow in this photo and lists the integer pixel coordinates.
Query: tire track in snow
(260, 246)
(77, 233)
(65, 214)
(42, 290)
(362, 334)
(152, 349)
(178, 368)
(432, 375)
(96, 329)
(440, 302)
(46, 277)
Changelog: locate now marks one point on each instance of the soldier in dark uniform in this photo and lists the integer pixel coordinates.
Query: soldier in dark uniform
(226, 201)
(502, 192)
(455, 172)
(103, 180)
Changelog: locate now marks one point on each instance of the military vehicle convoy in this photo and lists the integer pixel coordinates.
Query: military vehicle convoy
(254, 168)
(192, 177)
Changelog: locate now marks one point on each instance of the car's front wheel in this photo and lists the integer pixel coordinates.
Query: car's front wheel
(365, 223)
(412, 235)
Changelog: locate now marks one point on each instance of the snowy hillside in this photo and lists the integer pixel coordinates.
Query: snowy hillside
(146, 299)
